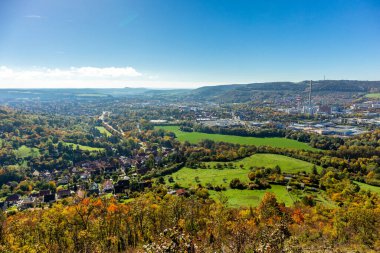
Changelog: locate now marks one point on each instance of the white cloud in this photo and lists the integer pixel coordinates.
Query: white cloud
(106, 72)
(91, 77)
(69, 77)
(70, 73)
(32, 16)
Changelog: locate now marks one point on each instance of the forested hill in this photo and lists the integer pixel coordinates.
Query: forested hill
(243, 91)
(225, 93)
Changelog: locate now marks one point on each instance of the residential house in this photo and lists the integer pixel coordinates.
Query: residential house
(81, 194)
(43, 193)
(26, 203)
(49, 198)
(181, 192)
(93, 189)
(122, 185)
(36, 173)
(12, 199)
(63, 181)
(63, 194)
(108, 186)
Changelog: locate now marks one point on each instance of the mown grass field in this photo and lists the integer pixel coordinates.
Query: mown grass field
(24, 151)
(187, 177)
(368, 187)
(82, 147)
(373, 95)
(287, 164)
(195, 137)
(247, 198)
(102, 130)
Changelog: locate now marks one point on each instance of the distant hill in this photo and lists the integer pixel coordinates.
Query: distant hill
(219, 93)
(243, 92)
(344, 85)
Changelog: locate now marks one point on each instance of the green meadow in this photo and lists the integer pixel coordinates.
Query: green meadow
(195, 137)
(82, 147)
(368, 187)
(373, 95)
(247, 198)
(24, 151)
(104, 131)
(187, 177)
(287, 164)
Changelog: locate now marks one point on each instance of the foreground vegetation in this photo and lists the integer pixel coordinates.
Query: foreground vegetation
(159, 222)
(196, 137)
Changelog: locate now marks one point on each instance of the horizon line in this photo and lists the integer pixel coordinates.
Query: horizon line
(179, 88)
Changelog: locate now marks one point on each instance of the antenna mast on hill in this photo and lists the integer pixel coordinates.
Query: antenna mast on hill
(311, 87)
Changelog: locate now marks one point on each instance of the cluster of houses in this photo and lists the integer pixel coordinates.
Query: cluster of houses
(34, 199)
(90, 178)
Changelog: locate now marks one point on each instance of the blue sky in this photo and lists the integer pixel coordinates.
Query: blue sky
(185, 43)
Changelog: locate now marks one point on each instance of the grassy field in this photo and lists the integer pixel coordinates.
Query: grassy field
(187, 177)
(195, 137)
(368, 187)
(82, 147)
(373, 95)
(287, 164)
(102, 130)
(247, 198)
(24, 151)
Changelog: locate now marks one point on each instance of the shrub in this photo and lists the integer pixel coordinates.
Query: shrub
(237, 184)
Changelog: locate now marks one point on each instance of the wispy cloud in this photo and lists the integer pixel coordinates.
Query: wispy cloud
(33, 16)
(66, 77)
(110, 72)
(88, 77)
(70, 73)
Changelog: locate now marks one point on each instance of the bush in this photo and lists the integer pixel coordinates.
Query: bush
(186, 129)
(202, 193)
(252, 176)
(237, 184)
(209, 186)
(308, 200)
